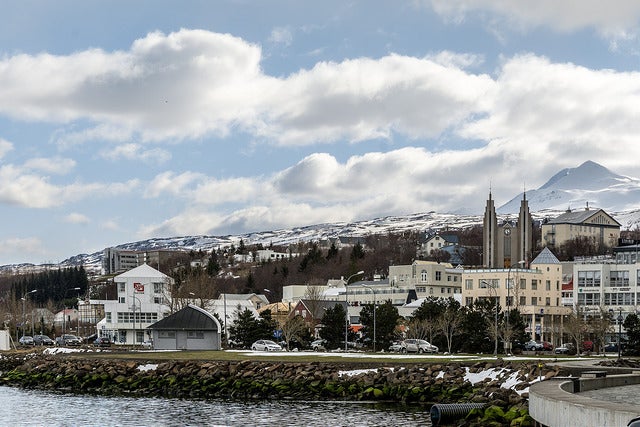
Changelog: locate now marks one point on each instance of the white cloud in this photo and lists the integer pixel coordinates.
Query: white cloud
(77, 218)
(136, 152)
(281, 35)
(5, 147)
(29, 245)
(56, 165)
(611, 18)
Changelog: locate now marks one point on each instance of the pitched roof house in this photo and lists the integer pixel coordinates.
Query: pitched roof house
(191, 328)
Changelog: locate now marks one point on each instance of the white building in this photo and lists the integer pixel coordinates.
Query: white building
(143, 299)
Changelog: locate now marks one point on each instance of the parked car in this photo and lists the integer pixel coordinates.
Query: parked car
(265, 345)
(567, 348)
(102, 342)
(70, 340)
(547, 346)
(533, 346)
(319, 345)
(396, 347)
(612, 347)
(26, 340)
(147, 344)
(42, 340)
(418, 346)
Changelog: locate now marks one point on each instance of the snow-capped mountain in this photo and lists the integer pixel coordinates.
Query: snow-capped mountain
(589, 184)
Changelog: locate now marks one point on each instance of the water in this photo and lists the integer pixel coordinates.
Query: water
(38, 408)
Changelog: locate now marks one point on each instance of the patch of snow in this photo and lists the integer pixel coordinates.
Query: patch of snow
(356, 372)
(148, 367)
(58, 350)
(440, 375)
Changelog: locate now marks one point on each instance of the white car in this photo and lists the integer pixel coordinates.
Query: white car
(417, 346)
(265, 345)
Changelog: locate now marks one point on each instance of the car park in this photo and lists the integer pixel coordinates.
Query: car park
(26, 340)
(102, 342)
(42, 340)
(265, 345)
(70, 340)
(417, 346)
(319, 345)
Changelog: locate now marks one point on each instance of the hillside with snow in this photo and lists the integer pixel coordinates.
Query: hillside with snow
(590, 182)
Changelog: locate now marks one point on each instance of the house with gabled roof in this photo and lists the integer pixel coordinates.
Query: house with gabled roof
(191, 328)
(594, 224)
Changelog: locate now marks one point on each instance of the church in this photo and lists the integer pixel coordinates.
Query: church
(507, 244)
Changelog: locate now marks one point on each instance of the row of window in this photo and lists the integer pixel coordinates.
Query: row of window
(127, 317)
(509, 284)
(593, 278)
(158, 288)
(192, 335)
(595, 298)
(508, 301)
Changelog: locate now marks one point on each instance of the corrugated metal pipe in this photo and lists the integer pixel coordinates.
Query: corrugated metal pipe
(443, 412)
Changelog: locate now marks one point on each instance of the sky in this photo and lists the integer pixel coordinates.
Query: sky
(127, 120)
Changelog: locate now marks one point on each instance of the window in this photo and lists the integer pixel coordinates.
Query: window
(438, 275)
(166, 334)
(448, 278)
(547, 301)
(534, 284)
(423, 276)
(430, 291)
(508, 283)
(523, 300)
(108, 317)
(468, 284)
(534, 301)
(121, 287)
(547, 286)
(421, 289)
(158, 288)
(619, 278)
(195, 335)
(523, 283)
(508, 301)
(121, 300)
(468, 300)
(158, 300)
(442, 290)
(588, 279)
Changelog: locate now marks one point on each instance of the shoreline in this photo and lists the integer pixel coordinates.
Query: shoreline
(501, 385)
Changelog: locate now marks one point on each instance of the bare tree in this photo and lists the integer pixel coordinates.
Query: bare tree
(575, 326)
(450, 321)
(600, 326)
(294, 329)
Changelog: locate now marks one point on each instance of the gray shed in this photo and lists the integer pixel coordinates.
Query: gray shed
(191, 328)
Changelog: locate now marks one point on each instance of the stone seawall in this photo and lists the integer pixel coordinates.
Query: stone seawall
(501, 385)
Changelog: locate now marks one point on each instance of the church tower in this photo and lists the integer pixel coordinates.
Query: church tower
(507, 245)
(490, 225)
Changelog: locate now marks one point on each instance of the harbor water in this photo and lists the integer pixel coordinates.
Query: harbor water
(39, 408)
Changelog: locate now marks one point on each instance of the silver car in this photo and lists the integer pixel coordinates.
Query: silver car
(417, 346)
(265, 345)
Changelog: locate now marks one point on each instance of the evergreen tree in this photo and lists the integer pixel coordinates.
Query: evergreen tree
(386, 317)
(213, 266)
(632, 326)
(333, 325)
(245, 330)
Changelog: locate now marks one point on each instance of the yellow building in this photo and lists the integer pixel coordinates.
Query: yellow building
(595, 224)
(535, 291)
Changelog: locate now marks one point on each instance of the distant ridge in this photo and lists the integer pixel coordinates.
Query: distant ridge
(570, 188)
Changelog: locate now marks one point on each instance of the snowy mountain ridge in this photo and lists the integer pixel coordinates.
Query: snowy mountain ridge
(590, 184)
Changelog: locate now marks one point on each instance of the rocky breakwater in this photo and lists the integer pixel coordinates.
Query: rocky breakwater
(499, 384)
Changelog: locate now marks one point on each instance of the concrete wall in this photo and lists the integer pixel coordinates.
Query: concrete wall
(553, 403)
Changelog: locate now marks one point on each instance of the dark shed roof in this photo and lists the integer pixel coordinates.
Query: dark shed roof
(189, 318)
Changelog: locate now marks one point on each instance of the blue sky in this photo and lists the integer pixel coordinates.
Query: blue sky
(121, 121)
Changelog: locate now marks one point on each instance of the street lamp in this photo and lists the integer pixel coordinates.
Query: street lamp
(346, 320)
(374, 315)
(135, 338)
(619, 331)
(24, 319)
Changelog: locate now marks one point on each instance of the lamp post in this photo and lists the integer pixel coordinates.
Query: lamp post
(24, 319)
(619, 331)
(346, 296)
(374, 315)
(135, 338)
